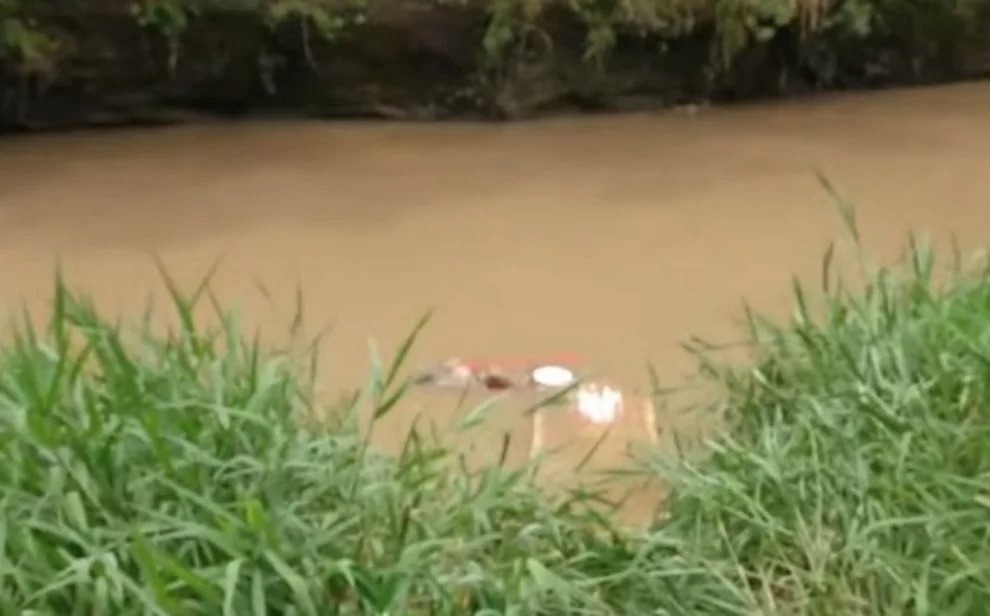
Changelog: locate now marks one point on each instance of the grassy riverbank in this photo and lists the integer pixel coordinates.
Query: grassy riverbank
(170, 475)
(65, 63)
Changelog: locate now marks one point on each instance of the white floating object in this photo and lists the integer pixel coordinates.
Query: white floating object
(599, 404)
(552, 376)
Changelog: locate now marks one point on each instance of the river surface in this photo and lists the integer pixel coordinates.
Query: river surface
(614, 238)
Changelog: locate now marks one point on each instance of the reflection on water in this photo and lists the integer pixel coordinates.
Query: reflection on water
(613, 238)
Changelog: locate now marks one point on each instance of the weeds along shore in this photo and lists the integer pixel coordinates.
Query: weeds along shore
(169, 473)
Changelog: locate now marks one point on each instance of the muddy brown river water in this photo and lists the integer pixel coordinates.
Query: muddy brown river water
(611, 237)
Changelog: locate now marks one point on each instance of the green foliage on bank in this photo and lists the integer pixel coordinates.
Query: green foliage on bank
(30, 31)
(176, 473)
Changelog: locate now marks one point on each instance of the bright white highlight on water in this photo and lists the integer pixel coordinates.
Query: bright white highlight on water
(599, 404)
(552, 376)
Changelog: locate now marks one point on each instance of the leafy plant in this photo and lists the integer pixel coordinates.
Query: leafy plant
(327, 19)
(170, 19)
(29, 50)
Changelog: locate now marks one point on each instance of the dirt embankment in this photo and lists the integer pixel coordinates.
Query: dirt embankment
(85, 62)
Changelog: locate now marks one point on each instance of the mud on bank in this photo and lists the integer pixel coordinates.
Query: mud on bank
(74, 62)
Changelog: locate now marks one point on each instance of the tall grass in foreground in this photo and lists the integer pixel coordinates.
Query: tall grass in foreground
(171, 474)
(150, 474)
(856, 477)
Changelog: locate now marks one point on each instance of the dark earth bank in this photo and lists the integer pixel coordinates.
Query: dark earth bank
(66, 63)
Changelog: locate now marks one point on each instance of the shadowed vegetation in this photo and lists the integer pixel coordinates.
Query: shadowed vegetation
(64, 62)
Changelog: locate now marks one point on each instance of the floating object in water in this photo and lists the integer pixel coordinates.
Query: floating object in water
(449, 374)
(599, 407)
(499, 374)
(598, 404)
(552, 376)
(496, 382)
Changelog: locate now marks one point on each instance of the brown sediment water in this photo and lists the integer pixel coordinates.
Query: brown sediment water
(613, 238)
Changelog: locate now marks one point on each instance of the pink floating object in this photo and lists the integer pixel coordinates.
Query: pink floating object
(520, 362)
